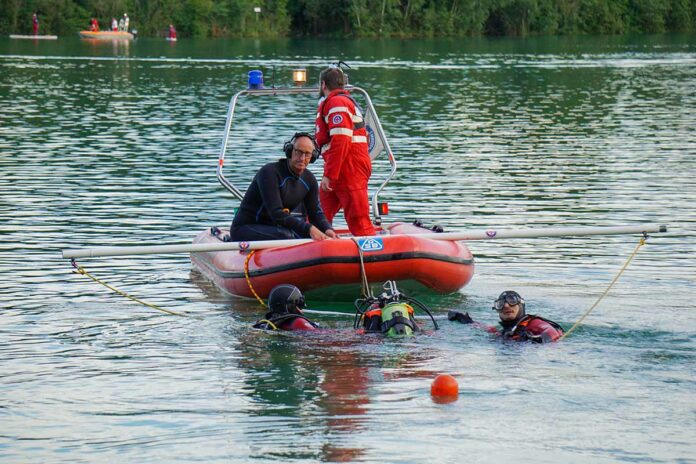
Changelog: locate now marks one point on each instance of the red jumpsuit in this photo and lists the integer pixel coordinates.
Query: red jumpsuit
(341, 134)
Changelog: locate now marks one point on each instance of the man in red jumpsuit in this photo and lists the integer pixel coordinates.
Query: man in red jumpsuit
(341, 134)
(35, 24)
(515, 322)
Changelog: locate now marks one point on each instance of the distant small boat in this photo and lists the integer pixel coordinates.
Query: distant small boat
(33, 37)
(171, 39)
(106, 35)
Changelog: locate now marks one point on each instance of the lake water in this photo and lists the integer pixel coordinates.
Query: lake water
(115, 144)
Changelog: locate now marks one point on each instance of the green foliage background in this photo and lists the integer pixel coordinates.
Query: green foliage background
(356, 18)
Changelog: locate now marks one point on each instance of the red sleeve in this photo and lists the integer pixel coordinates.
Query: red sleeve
(541, 328)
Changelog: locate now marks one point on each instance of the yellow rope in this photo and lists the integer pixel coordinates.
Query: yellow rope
(82, 271)
(268, 322)
(248, 280)
(628, 261)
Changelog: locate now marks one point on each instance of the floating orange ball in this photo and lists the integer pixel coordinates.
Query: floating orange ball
(444, 385)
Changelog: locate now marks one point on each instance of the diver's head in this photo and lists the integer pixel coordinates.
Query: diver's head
(285, 299)
(510, 306)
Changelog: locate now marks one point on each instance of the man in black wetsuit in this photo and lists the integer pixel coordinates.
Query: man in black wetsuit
(278, 190)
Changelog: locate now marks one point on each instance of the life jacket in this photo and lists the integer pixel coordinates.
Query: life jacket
(525, 329)
(394, 320)
(288, 321)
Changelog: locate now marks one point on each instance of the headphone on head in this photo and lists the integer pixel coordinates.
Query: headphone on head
(290, 145)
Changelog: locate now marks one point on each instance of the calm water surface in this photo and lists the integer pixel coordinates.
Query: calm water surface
(114, 144)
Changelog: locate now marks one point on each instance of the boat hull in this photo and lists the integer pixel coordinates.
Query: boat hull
(106, 35)
(442, 266)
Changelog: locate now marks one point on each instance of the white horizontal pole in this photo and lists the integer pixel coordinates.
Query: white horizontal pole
(490, 234)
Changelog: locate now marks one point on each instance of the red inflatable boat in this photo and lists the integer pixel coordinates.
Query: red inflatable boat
(333, 266)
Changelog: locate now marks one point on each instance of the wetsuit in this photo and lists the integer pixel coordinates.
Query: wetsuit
(532, 328)
(275, 192)
(341, 134)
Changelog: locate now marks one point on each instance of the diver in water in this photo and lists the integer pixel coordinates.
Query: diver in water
(515, 322)
(285, 304)
(390, 314)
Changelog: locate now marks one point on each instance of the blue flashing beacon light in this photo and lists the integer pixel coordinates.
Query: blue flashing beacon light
(255, 80)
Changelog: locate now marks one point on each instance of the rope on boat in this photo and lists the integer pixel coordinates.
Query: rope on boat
(81, 270)
(364, 283)
(248, 280)
(628, 261)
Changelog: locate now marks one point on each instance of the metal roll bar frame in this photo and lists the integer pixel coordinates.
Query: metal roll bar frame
(379, 132)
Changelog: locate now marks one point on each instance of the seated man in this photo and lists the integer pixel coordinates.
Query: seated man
(516, 323)
(278, 189)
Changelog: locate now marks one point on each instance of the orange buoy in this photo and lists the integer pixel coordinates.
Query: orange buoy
(444, 385)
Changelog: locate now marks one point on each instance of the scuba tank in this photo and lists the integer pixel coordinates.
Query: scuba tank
(397, 320)
(391, 314)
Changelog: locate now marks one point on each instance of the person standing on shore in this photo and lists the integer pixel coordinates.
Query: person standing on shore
(35, 24)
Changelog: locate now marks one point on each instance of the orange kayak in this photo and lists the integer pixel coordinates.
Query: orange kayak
(106, 35)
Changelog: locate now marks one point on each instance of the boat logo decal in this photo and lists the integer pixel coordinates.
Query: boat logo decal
(243, 245)
(491, 233)
(370, 138)
(338, 119)
(371, 244)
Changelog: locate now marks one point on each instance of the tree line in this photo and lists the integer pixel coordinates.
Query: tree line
(356, 18)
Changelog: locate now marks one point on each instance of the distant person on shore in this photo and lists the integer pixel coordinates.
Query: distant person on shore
(121, 24)
(126, 22)
(94, 25)
(341, 134)
(172, 32)
(515, 322)
(114, 25)
(35, 24)
(282, 201)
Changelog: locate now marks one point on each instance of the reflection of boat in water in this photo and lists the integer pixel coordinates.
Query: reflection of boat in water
(399, 254)
(331, 268)
(106, 35)
(34, 37)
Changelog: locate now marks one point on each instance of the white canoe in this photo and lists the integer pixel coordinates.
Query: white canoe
(33, 37)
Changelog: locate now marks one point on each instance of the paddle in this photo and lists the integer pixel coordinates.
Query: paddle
(490, 234)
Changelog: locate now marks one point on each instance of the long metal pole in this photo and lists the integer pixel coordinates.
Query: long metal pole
(490, 234)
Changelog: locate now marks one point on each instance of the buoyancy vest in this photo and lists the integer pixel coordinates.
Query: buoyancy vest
(287, 321)
(534, 328)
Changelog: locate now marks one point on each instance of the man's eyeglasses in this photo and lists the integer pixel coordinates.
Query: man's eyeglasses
(304, 154)
(509, 298)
